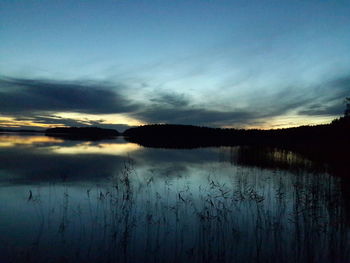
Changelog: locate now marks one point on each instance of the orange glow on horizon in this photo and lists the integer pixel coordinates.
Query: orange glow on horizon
(84, 119)
(11, 122)
(118, 118)
(287, 122)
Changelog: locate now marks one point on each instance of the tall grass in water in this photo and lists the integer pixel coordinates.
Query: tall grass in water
(253, 216)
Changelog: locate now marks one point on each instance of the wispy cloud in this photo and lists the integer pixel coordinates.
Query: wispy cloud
(328, 98)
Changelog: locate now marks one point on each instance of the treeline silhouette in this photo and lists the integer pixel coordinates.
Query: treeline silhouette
(91, 133)
(188, 136)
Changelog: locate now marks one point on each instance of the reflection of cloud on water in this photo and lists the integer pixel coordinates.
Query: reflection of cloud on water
(93, 148)
(13, 140)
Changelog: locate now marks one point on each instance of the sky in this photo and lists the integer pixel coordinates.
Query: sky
(218, 63)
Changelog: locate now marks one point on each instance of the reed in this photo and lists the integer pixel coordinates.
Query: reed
(251, 217)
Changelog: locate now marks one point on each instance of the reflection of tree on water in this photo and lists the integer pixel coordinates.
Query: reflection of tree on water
(277, 159)
(273, 158)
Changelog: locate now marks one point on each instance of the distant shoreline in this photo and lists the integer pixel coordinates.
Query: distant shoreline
(183, 136)
(329, 143)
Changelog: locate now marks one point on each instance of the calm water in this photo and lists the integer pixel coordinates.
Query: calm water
(113, 201)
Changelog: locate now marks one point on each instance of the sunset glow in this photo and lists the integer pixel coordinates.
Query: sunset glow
(100, 148)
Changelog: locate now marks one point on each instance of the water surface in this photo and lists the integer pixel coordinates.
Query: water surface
(114, 201)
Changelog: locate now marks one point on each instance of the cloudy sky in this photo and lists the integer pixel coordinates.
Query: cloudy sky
(223, 63)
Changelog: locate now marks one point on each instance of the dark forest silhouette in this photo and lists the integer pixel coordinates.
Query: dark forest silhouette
(187, 136)
(330, 135)
(92, 133)
(328, 143)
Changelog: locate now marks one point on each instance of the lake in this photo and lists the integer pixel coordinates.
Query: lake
(116, 201)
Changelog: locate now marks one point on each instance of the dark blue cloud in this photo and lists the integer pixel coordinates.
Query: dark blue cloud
(23, 95)
(171, 99)
(328, 98)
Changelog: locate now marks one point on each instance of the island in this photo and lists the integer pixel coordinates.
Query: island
(91, 133)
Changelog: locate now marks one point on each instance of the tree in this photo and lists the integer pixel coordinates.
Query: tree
(347, 110)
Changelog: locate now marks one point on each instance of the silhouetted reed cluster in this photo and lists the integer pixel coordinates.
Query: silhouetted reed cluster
(249, 217)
